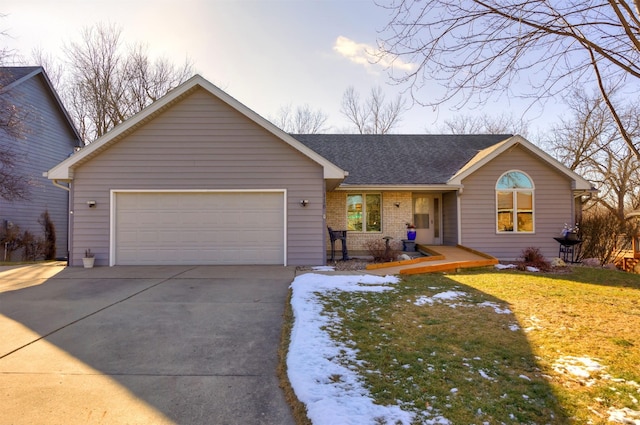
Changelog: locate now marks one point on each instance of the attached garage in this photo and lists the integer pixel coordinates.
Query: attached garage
(198, 227)
(197, 178)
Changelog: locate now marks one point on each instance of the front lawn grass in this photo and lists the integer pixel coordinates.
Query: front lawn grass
(507, 347)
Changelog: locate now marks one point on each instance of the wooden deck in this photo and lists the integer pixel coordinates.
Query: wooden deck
(627, 261)
(443, 258)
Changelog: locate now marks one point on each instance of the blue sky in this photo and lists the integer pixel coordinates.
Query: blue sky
(266, 54)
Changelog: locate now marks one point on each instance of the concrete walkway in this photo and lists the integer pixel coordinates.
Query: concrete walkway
(142, 345)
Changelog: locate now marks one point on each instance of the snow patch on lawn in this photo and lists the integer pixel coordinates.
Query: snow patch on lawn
(332, 392)
(495, 307)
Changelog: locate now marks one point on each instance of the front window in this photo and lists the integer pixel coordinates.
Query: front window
(514, 199)
(364, 212)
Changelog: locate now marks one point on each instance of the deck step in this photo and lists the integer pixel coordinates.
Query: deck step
(441, 258)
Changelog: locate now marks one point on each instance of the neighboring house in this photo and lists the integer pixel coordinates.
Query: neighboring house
(198, 178)
(46, 136)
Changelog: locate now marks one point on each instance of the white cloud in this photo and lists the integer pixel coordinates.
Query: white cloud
(367, 55)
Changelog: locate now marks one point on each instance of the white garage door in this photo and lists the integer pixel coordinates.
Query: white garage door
(199, 228)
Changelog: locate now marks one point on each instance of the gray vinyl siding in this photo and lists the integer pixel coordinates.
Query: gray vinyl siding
(553, 202)
(200, 143)
(46, 139)
(450, 218)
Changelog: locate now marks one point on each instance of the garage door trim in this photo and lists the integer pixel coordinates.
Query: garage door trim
(113, 211)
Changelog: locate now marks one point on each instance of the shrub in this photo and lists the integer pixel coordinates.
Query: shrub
(32, 247)
(378, 249)
(533, 257)
(49, 230)
(604, 235)
(10, 239)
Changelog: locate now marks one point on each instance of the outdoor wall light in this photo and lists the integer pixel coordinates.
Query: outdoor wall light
(397, 204)
(92, 204)
(304, 202)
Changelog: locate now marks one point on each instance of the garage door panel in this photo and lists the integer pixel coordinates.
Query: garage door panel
(200, 228)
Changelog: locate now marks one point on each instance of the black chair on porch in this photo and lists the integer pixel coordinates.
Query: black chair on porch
(340, 235)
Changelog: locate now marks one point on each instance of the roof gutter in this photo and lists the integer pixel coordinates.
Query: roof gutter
(588, 193)
(400, 188)
(55, 182)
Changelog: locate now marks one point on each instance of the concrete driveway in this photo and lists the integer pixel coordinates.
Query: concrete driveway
(142, 345)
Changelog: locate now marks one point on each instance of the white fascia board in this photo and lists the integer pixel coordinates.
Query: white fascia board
(579, 183)
(400, 188)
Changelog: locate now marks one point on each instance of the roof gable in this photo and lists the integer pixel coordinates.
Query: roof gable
(492, 152)
(12, 76)
(64, 170)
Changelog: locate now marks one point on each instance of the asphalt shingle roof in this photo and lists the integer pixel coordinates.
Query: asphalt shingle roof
(9, 74)
(395, 159)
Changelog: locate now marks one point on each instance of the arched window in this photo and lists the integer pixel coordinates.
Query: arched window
(514, 201)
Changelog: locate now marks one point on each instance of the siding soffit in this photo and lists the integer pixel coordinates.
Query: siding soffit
(488, 154)
(64, 170)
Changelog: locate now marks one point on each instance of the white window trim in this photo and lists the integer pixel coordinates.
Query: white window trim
(514, 192)
(364, 211)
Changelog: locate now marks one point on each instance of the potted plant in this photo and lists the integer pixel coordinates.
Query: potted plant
(88, 259)
(411, 232)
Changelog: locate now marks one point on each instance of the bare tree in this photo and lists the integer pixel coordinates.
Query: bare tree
(479, 48)
(484, 124)
(590, 143)
(302, 120)
(107, 84)
(54, 68)
(13, 185)
(373, 115)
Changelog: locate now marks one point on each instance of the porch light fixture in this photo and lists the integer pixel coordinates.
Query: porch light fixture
(304, 202)
(92, 204)
(397, 204)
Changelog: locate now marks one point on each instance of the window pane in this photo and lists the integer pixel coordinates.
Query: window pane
(525, 222)
(505, 211)
(514, 180)
(525, 201)
(525, 211)
(354, 212)
(373, 213)
(421, 211)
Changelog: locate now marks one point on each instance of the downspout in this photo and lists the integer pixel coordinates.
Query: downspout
(56, 184)
(68, 189)
(459, 214)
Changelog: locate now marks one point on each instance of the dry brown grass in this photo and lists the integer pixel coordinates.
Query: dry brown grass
(589, 314)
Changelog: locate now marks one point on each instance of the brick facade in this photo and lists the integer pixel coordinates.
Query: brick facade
(394, 218)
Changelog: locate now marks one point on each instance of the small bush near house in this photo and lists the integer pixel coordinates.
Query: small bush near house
(49, 229)
(9, 239)
(532, 257)
(381, 253)
(32, 247)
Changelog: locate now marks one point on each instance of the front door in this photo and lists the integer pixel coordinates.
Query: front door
(426, 217)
